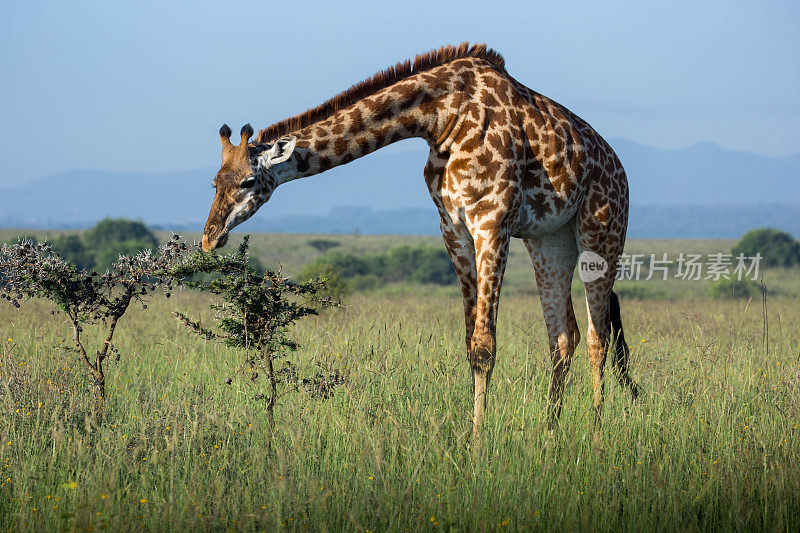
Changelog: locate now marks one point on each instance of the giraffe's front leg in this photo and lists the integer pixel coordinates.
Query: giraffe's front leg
(491, 253)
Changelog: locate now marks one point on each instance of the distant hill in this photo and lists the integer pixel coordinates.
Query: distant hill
(744, 191)
(706, 173)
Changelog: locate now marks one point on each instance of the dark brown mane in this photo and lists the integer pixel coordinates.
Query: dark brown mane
(382, 79)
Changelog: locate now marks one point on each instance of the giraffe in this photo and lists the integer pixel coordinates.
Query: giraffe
(504, 162)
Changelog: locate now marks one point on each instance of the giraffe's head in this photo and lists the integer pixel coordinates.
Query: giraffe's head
(248, 176)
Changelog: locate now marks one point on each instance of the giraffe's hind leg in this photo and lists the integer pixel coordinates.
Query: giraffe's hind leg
(554, 257)
(597, 336)
(601, 229)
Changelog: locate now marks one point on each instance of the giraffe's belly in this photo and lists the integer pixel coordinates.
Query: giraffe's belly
(536, 215)
(542, 212)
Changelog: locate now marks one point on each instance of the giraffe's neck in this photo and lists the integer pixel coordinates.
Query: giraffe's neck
(404, 110)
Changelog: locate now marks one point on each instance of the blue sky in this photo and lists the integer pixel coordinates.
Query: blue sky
(144, 86)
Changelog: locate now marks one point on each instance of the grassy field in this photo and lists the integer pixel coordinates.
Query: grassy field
(713, 444)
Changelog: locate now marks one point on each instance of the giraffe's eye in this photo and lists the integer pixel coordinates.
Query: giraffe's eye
(249, 182)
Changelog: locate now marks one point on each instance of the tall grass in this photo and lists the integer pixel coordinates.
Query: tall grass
(713, 444)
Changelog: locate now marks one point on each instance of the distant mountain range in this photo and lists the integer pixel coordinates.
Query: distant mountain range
(700, 191)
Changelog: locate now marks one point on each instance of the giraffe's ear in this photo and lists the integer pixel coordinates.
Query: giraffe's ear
(281, 150)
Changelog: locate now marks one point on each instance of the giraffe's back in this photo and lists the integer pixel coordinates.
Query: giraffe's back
(560, 161)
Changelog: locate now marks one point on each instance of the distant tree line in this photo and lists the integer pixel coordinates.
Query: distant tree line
(414, 264)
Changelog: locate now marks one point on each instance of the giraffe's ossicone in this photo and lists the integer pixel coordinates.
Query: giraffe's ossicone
(504, 162)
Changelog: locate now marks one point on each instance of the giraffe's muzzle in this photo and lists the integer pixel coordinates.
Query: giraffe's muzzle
(212, 241)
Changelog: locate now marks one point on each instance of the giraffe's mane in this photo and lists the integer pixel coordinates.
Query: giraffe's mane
(379, 81)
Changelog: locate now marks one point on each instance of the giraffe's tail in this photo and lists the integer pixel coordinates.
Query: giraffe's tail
(621, 354)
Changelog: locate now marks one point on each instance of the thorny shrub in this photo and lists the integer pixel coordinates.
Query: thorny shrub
(255, 314)
(29, 270)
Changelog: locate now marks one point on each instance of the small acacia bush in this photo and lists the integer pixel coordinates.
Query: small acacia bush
(255, 314)
(30, 270)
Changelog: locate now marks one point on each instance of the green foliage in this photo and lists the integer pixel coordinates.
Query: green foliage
(419, 264)
(256, 311)
(734, 288)
(99, 247)
(257, 308)
(351, 269)
(71, 248)
(336, 287)
(777, 248)
(112, 231)
(415, 264)
(105, 257)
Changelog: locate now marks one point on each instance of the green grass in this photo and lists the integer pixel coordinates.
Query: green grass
(714, 443)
